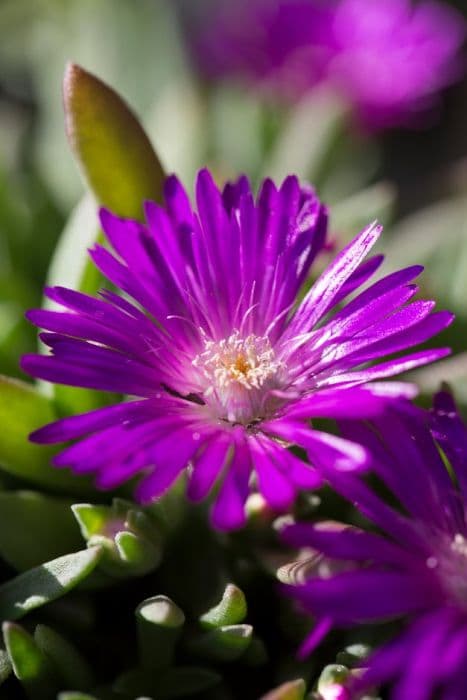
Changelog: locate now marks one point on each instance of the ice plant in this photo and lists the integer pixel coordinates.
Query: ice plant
(225, 365)
(415, 566)
(388, 59)
(282, 46)
(391, 58)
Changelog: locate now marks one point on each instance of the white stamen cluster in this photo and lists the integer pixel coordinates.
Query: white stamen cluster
(240, 371)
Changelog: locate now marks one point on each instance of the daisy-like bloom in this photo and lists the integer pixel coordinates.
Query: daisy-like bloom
(392, 57)
(224, 364)
(280, 45)
(415, 566)
(388, 59)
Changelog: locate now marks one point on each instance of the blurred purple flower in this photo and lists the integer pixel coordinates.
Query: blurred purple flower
(389, 59)
(392, 57)
(416, 567)
(283, 45)
(229, 367)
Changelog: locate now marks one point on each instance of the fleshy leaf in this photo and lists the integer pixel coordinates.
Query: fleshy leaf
(166, 684)
(353, 655)
(160, 623)
(69, 265)
(30, 665)
(5, 665)
(47, 582)
(334, 674)
(256, 653)
(73, 668)
(353, 213)
(292, 690)
(51, 521)
(139, 554)
(231, 609)
(115, 154)
(23, 409)
(185, 681)
(225, 643)
(75, 695)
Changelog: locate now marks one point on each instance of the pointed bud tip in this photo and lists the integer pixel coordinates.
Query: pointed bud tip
(160, 610)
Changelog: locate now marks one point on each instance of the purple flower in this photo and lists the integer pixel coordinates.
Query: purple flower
(389, 59)
(228, 366)
(415, 566)
(281, 45)
(392, 57)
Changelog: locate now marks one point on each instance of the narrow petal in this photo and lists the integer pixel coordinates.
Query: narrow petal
(340, 541)
(273, 484)
(207, 467)
(365, 595)
(324, 291)
(75, 426)
(228, 512)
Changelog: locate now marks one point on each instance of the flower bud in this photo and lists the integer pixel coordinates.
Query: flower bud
(131, 540)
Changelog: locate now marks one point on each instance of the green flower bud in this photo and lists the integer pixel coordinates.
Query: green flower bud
(131, 540)
(231, 610)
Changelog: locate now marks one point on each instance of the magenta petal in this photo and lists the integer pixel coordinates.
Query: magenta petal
(273, 485)
(207, 467)
(323, 292)
(170, 455)
(322, 627)
(75, 426)
(343, 542)
(365, 595)
(228, 511)
(322, 447)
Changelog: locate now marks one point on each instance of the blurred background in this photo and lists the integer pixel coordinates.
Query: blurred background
(413, 177)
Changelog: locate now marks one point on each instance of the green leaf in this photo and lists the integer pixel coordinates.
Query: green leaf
(75, 695)
(231, 609)
(92, 519)
(352, 214)
(225, 643)
(72, 267)
(334, 674)
(256, 653)
(435, 237)
(73, 668)
(452, 370)
(116, 156)
(185, 681)
(166, 684)
(51, 521)
(137, 553)
(30, 665)
(354, 655)
(70, 261)
(160, 623)
(23, 409)
(307, 138)
(292, 690)
(47, 582)
(5, 665)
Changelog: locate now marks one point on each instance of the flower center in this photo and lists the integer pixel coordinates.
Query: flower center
(240, 372)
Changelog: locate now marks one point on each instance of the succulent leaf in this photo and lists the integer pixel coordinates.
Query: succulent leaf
(115, 154)
(45, 583)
